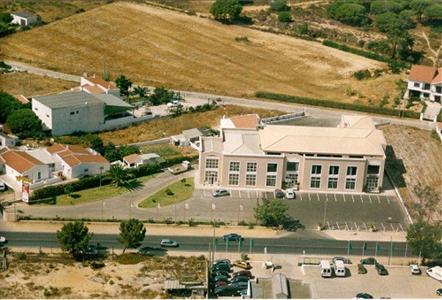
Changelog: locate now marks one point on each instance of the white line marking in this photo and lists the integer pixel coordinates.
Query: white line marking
(362, 200)
(317, 195)
(328, 224)
(346, 225)
(379, 199)
(383, 226)
(309, 198)
(392, 228)
(388, 200)
(365, 225)
(371, 202)
(357, 227)
(334, 196)
(402, 228)
(337, 225)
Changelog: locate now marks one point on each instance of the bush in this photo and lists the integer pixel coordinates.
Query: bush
(24, 123)
(8, 104)
(362, 74)
(285, 17)
(226, 10)
(348, 13)
(279, 5)
(338, 105)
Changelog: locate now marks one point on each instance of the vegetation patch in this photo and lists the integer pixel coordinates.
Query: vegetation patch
(174, 193)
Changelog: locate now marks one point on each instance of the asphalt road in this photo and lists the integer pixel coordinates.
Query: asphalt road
(286, 245)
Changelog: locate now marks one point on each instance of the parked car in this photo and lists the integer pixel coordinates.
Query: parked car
(439, 292)
(361, 269)
(242, 264)
(168, 243)
(364, 296)
(415, 270)
(220, 193)
(2, 240)
(243, 273)
(369, 261)
(220, 283)
(290, 194)
(221, 278)
(345, 260)
(220, 272)
(279, 194)
(224, 260)
(223, 267)
(226, 290)
(2, 186)
(240, 279)
(233, 237)
(381, 269)
(240, 285)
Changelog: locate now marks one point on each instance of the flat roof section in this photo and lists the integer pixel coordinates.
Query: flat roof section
(68, 99)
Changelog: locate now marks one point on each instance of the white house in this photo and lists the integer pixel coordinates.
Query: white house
(95, 85)
(137, 160)
(425, 82)
(24, 18)
(7, 140)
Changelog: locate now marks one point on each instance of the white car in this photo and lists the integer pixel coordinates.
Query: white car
(2, 240)
(174, 103)
(168, 243)
(2, 186)
(220, 193)
(415, 270)
(290, 194)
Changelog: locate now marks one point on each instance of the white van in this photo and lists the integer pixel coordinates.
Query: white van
(290, 194)
(325, 267)
(339, 268)
(435, 272)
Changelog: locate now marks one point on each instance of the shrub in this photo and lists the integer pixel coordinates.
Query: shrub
(348, 13)
(169, 192)
(24, 123)
(279, 5)
(244, 39)
(338, 105)
(362, 74)
(285, 17)
(226, 10)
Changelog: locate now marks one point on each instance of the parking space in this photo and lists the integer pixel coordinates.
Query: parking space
(355, 212)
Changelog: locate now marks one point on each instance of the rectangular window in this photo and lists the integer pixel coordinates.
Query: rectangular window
(72, 112)
(315, 182)
(351, 171)
(234, 166)
(251, 179)
(372, 183)
(291, 179)
(439, 89)
(251, 167)
(233, 179)
(272, 167)
(417, 84)
(350, 183)
(86, 170)
(316, 169)
(333, 182)
(271, 180)
(38, 175)
(333, 170)
(374, 170)
(211, 177)
(211, 163)
(426, 86)
(292, 166)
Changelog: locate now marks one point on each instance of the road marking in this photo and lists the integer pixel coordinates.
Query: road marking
(371, 202)
(346, 225)
(402, 228)
(356, 225)
(343, 197)
(328, 224)
(334, 196)
(388, 200)
(337, 225)
(309, 198)
(365, 225)
(362, 200)
(383, 226)
(317, 195)
(379, 199)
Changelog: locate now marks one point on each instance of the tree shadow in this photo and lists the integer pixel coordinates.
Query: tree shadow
(133, 185)
(152, 251)
(395, 167)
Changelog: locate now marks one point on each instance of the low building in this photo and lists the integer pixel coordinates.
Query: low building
(7, 140)
(77, 111)
(20, 166)
(425, 83)
(138, 160)
(24, 18)
(277, 286)
(349, 158)
(188, 137)
(95, 85)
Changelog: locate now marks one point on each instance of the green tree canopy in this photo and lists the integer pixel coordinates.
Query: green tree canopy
(279, 5)
(419, 6)
(384, 6)
(132, 233)
(425, 239)
(24, 123)
(348, 13)
(8, 104)
(74, 238)
(391, 22)
(285, 17)
(226, 10)
(433, 12)
(123, 84)
(272, 213)
(161, 95)
(119, 175)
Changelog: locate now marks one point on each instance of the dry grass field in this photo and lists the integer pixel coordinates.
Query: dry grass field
(158, 46)
(21, 83)
(420, 153)
(168, 126)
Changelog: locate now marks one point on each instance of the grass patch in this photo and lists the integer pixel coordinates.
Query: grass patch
(174, 193)
(95, 194)
(130, 258)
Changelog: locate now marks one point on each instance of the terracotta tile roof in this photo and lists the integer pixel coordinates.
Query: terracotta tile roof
(97, 80)
(438, 77)
(422, 73)
(20, 161)
(132, 158)
(63, 150)
(77, 159)
(55, 148)
(93, 89)
(245, 121)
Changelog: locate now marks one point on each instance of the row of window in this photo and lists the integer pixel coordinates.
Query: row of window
(334, 170)
(234, 166)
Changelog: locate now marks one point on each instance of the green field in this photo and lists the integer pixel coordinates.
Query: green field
(174, 193)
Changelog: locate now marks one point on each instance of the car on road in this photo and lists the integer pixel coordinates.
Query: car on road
(415, 270)
(243, 273)
(364, 296)
(369, 261)
(233, 237)
(2, 186)
(240, 279)
(290, 194)
(361, 269)
(2, 240)
(168, 243)
(381, 269)
(242, 264)
(279, 194)
(439, 292)
(220, 193)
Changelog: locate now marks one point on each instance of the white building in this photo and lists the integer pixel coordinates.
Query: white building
(138, 160)
(425, 82)
(7, 140)
(24, 18)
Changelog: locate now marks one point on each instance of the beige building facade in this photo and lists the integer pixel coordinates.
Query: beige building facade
(247, 154)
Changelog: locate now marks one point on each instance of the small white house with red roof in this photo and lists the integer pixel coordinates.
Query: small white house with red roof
(95, 85)
(425, 82)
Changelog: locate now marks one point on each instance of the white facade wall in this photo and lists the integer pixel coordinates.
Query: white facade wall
(6, 141)
(43, 112)
(427, 92)
(32, 174)
(24, 21)
(84, 169)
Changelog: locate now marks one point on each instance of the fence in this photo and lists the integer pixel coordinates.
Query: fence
(283, 118)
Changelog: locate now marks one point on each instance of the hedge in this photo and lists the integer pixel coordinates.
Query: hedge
(339, 105)
(84, 183)
(393, 63)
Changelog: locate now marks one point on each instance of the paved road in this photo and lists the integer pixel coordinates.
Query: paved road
(287, 245)
(286, 107)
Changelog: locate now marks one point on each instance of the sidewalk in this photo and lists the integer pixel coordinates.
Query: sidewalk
(380, 236)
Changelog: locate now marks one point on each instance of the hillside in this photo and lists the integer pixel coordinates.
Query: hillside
(157, 46)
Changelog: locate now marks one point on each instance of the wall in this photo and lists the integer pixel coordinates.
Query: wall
(93, 169)
(122, 122)
(43, 112)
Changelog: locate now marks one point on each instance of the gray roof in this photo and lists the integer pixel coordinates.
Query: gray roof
(192, 133)
(112, 100)
(23, 14)
(68, 99)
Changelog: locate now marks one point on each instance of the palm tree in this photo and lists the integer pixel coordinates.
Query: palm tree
(119, 175)
(141, 91)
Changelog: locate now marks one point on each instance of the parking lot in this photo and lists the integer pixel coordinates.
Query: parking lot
(360, 212)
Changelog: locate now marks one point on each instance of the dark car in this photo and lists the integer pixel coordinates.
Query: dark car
(381, 269)
(220, 272)
(220, 283)
(240, 285)
(361, 269)
(243, 273)
(224, 260)
(223, 267)
(240, 279)
(229, 290)
(439, 292)
(369, 261)
(364, 296)
(221, 278)
(279, 194)
(233, 237)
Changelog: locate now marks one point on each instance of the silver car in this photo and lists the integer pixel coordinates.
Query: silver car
(220, 193)
(168, 243)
